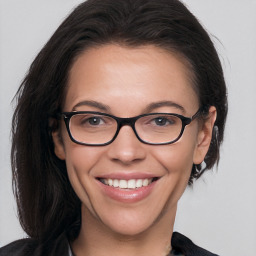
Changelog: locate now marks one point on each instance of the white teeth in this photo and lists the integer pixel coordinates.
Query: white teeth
(115, 183)
(139, 183)
(123, 184)
(145, 183)
(130, 184)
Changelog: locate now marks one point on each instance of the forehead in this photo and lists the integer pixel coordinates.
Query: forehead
(116, 74)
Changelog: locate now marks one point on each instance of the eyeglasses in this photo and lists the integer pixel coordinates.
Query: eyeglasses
(99, 129)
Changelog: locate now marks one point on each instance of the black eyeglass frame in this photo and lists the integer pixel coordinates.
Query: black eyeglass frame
(130, 121)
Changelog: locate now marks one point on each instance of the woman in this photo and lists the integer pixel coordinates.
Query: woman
(123, 107)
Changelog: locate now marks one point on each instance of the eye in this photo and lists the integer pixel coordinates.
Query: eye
(163, 121)
(94, 120)
(88, 120)
(160, 121)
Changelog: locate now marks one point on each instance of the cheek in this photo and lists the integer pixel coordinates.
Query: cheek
(177, 158)
(80, 161)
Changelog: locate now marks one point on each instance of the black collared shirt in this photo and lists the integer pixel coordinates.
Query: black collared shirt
(181, 246)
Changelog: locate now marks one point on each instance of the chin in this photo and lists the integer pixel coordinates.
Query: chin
(130, 222)
(128, 230)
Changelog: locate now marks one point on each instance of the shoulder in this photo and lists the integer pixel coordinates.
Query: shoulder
(20, 247)
(184, 245)
(32, 247)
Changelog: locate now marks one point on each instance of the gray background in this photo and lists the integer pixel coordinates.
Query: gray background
(219, 211)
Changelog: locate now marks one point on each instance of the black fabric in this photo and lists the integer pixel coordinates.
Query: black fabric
(30, 247)
(182, 244)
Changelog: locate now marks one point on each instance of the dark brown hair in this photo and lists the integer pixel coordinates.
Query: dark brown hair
(47, 204)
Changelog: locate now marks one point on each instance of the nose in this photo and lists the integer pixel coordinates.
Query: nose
(126, 148)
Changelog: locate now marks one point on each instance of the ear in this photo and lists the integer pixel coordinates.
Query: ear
(58, 144)
(204, 136)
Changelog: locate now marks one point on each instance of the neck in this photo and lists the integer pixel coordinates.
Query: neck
(96, 239)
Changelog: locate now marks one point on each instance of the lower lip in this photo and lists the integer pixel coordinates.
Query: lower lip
(127, 195)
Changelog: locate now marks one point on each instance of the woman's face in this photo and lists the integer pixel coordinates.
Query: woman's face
(127, 82)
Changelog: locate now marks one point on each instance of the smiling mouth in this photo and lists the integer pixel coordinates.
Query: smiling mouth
(128, 184)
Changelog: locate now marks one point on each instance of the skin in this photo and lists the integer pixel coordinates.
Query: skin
(127, 80)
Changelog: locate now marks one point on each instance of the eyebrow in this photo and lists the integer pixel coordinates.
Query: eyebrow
(92, 103)
(148, 109)
(160, 104)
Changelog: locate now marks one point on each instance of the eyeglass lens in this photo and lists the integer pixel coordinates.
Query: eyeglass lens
(99, 129)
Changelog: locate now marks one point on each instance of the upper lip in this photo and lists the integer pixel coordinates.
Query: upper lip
(128, 175)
